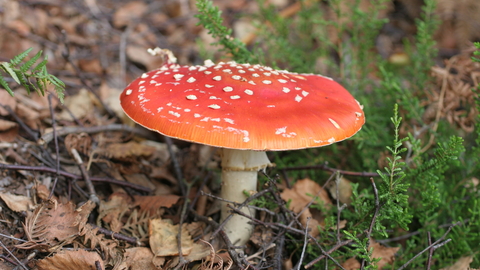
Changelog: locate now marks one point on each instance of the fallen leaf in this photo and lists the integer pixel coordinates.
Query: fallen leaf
(163, 238)
(110, 211)
(123, 150)
(387, 255)
(133, 11)
(344, 190)
(71, 260)
(17, 203)
(79, 105)
(461, 264)
(302, 192)
(8, 130)
(152, 203)
(138, 258)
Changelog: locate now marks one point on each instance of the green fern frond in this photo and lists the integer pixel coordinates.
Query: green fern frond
(19, 58)
(28, 77)
(27, 65)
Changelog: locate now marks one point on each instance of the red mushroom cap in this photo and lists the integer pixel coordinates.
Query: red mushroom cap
(243, 106)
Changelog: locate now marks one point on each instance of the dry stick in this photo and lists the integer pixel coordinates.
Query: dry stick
(430, 253)
(181, 261)
(339, 209)
(57, 151)
(131, 240)
(74, 176)
(11, 254)
(434, 245)
(305, 242)
(91, 190)
(176, 165)
(325, 167)
(98, 265)
(46, 138)
(372, 222)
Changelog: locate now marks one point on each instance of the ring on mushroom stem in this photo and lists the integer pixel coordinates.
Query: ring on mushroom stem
(246, 110)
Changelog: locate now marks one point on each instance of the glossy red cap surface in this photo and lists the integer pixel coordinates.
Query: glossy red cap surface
(243, 106)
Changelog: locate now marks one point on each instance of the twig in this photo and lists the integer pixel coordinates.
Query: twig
(57, 151)
(435, 244)
(325, 167)
(91, 190)
(74, 176)
(305, 242)
(176, 165)
(372, 222)
(46, 138)
(430, 253)
(131, 240)
(11, 254)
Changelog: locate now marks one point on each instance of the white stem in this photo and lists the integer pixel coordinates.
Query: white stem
(239, 174)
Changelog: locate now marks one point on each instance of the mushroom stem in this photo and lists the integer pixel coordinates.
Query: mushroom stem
(239, 173)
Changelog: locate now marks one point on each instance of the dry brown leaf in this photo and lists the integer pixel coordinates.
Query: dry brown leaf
(138, 258)
(71, 260)
(302, 192)
(387, 255)
(6, 100)
(110, 212)
(52, 223)
(79, 105)
(461, 264)
(139, 179)
(8, 130)
(163, 238)
(152, 203)
(17, 203)
(123, 150)
(344, 190)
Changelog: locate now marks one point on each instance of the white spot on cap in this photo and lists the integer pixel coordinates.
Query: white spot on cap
(159, 109)
(275, 72)
(248, 92)
(228, 120)
(215, 119)
(144, 75)
(192, 68)
(267, 73)
(200, 69)
(334, 123)
(178, 76)
(227, 71)
(141, 82)
(241, 71)
(176, 114)
(213, 97)
(299, 77)
(128, 92)
(208, 63)
(191, 97)
(187, 110)
(331, 140)
(209, 85)
(214, 106)
(285, 90)
(298, 88)
(358, 114)
(270, 106)
(236, 77)
(235, 97)
(196, 115)
(207, 72)
(361, 106)
(251, 69)
(282, 80)
(191, 80)
(267, 82)
(169, 104)
(298, 98)
(228, 89)
(255, 75)
(252, 82)
(217, 78)
(304, 93)
(153, 82)
(281, 130)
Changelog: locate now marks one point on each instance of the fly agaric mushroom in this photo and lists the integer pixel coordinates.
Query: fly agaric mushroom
(245, 110)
